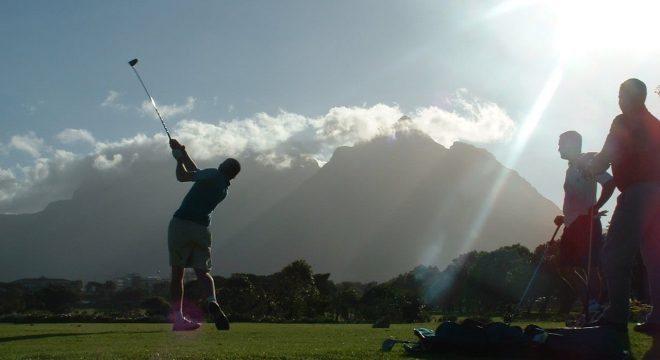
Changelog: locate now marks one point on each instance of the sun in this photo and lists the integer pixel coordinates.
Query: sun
(585, 26)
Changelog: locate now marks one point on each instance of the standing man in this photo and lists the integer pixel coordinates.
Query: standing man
(582, 227)
(632, 148)
(189, 238)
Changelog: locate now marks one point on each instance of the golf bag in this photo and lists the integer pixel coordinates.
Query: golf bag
(473, 338)
(498, 340)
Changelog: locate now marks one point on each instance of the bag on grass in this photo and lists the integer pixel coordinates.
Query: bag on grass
(498, 340)
(588, 343)
(473, 338)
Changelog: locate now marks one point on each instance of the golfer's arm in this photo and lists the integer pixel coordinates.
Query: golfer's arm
(605, 194)
(603, 159)
(184, 168)
(182, 174)
(188, 162)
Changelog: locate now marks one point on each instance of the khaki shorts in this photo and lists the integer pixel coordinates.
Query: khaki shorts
(189, 244)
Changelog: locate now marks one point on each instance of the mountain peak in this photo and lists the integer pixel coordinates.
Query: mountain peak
(375, 210)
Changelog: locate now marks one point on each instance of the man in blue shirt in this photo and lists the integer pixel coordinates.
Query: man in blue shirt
(189, 238)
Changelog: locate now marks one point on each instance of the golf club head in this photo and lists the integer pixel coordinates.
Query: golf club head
(133, 62)
(388, 345)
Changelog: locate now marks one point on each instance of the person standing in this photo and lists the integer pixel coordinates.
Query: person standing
(632, 148)
(189, 238)
(582, 237)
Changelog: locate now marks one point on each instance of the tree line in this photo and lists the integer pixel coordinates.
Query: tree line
(484, 283)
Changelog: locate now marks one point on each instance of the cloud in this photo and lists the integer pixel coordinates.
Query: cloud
(277, 139)
(260, 133)
(470, 120)
(285, 135)
(29, 143)
(101, 162)
(111, 101)
(8, 184)
(69, 136)
(347, 126)
(167, 111)
(34, 186)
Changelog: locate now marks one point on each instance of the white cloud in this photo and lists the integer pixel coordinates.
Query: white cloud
(40, 170)
(7, 184)
(101, 162)
(69, 136)
(347, 126)
(140, 146)
(29, 143)
(167, 111)
(111, 101)
(473, 121)
(285, 134)
(62, 159)
(260, 133)
(38, 184)
(279, 139)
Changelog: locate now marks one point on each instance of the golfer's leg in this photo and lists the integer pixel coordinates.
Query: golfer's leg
(178, 253)
(207, 282)
(651, 249)
(580, 276)
(595, 285)
(176, 290)
(568, 290)
(619, 250)
(219, 318)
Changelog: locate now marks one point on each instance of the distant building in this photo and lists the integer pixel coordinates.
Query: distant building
(136, 281)
(44, 282)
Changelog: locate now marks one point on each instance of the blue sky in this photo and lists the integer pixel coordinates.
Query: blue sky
(508, 76)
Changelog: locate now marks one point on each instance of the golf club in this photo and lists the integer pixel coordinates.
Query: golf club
(508, 318)
(132, 63)
(389, 344)
(588, 284)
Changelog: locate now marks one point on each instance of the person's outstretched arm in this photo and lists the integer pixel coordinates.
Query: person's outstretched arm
(605, 194)
(184, 164)
(602, 160)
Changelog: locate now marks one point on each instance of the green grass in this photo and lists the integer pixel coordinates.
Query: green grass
(244, 341)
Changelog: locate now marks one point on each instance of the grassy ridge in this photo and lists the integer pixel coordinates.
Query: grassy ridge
(244, 341)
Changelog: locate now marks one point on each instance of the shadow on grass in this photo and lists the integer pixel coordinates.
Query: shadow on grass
(45, 336)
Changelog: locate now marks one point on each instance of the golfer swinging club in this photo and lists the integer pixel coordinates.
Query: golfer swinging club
(189, 238)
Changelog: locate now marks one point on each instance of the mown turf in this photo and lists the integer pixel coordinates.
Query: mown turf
(244, 341)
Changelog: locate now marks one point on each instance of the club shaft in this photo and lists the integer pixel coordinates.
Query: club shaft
(587, 282)
(536, 271)
(153, 103)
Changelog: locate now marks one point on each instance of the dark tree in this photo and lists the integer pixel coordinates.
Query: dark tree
(295, 291)
(13, 298)
(58, 299)
(156, 306)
